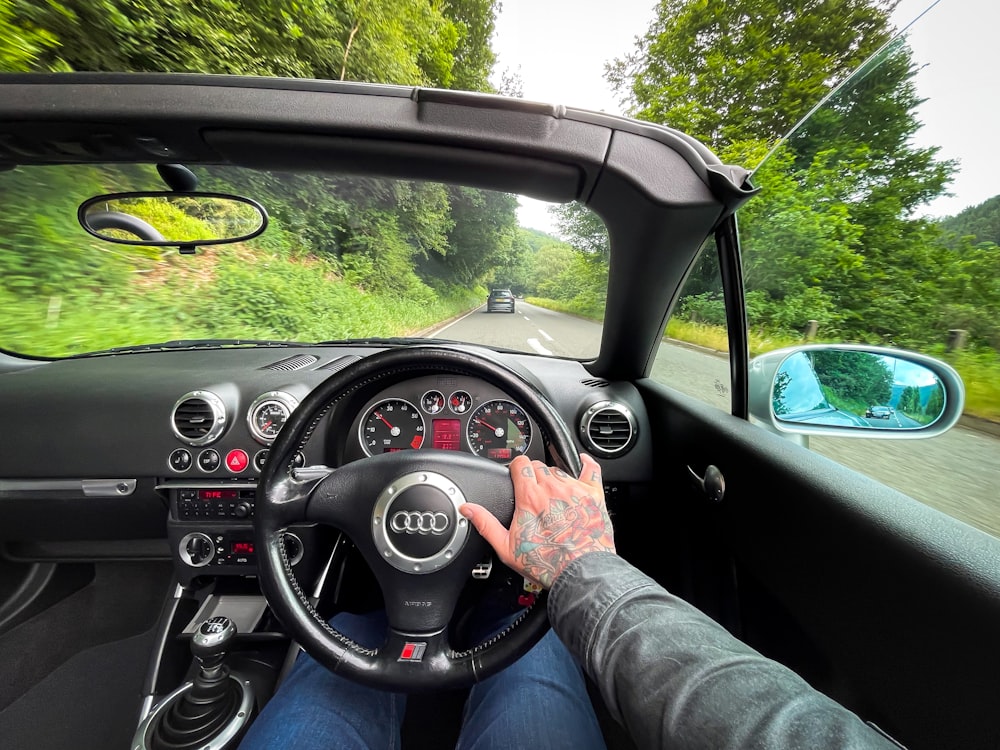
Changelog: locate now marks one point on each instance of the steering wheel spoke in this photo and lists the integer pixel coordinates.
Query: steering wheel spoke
(291, 495)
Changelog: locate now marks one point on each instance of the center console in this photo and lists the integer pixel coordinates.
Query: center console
(210, 529)
(191, 703)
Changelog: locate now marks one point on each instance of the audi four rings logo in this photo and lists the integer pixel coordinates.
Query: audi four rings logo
(419, 522)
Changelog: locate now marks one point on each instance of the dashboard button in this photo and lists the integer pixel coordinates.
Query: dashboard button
(208, 460)
(237, 460)
(180, 460)
(258, 460)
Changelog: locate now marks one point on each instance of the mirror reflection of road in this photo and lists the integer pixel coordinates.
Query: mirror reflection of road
(958, 472)
(897, 421)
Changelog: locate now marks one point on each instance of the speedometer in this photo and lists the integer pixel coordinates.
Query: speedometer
(391, 425)
(499, 431)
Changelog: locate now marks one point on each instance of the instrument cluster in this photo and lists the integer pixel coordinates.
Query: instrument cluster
(446, 413)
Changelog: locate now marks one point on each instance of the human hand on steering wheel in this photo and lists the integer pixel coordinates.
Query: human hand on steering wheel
(556, 519)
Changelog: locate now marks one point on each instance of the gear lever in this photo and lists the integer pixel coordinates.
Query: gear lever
(210, 643)
(201, 713)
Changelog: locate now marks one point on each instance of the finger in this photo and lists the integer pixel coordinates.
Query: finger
(591, 472)
(522, 475)
(541, 470)
(488, 527)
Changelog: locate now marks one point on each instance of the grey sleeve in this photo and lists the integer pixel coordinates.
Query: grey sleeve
(675, 678)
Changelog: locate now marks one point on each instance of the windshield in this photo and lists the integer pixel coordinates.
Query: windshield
(342, 258)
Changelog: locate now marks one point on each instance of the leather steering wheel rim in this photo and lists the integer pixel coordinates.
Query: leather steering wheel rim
(416, 655)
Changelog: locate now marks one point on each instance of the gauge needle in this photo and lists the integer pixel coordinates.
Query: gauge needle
(266, 425)
(495, 430)
(384, 420)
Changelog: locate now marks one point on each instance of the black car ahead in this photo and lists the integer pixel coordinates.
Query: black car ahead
(500, 300)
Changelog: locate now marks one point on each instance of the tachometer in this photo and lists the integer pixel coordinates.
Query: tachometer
(499, 430)
(391, 425)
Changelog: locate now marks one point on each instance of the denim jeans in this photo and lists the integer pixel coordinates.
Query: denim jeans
(540, 702)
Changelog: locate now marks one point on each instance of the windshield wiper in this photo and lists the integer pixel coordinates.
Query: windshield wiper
(181, 344)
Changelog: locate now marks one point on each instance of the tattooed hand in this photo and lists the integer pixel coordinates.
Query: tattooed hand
(556, 519)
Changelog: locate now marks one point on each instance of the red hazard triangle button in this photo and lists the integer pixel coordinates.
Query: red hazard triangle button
(237, 460)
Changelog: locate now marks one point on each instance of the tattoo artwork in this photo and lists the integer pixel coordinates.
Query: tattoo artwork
(527, 471)
(548, 541)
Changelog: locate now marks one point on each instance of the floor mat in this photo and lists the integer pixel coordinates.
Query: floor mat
(122, 601)
(90, 702)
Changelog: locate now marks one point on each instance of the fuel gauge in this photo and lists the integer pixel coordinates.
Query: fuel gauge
(433, 402)
(460, 402)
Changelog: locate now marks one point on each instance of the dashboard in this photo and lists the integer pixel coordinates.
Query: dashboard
(133, 452)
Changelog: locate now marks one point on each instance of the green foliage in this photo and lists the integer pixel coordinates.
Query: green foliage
(419, 42)
(976, 223)
(725, 72)
(571, 276)
(475, 21)
(21, 43)
(854, 376)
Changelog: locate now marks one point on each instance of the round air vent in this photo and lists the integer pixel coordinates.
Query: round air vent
(608, 428)
(199, 417)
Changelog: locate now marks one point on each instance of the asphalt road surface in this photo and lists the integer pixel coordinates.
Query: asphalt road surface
(958, 472)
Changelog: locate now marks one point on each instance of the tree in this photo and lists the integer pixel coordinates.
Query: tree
(725, 72)
(384, 41)
(20, 44)
(475, 21)
(582, 228)
(854, 376)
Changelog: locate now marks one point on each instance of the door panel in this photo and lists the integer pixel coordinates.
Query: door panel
(889, 606)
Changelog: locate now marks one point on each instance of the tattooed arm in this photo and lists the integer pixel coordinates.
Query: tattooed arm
(556, 519)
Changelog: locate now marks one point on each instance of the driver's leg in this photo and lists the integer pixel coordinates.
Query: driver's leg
(314, 708)
(539, 702)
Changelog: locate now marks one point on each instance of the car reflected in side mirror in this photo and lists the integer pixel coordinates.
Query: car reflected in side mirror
(854, 391)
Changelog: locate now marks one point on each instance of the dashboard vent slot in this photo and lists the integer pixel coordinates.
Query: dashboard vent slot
(338, 364)
(198, 418)
(595, 382)
(608, 428)
(296, 362)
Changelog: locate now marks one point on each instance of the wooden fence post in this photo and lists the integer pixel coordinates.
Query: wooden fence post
(956, 339)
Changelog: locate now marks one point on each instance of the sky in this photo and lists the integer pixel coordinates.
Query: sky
(559, 49)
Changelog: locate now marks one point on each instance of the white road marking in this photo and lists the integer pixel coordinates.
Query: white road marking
(545, 335)
(537, 346)
(526, 318)
(445, 328)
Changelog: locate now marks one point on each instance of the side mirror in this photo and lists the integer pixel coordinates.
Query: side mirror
(854, 391)
(166, 219)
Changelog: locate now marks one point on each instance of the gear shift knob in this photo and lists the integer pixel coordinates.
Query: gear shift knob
(211, 640)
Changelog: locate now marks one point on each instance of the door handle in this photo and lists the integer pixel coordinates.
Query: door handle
(713, 484)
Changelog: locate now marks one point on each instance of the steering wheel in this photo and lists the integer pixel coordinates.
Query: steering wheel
(401, 511)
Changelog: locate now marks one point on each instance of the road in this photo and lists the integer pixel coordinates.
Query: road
(958, 472)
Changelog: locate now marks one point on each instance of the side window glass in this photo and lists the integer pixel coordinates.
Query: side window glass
(694, 355)
(878, 223)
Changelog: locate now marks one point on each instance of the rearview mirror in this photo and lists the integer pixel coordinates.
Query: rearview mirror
(858, 391)
(161, 219)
